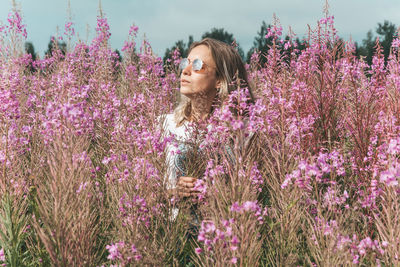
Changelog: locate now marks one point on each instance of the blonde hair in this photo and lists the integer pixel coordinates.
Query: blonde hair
(230, 70)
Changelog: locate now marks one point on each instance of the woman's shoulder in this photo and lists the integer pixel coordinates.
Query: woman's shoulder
(166, 120)
(170, 126)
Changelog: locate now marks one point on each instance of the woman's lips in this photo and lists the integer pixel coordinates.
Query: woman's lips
(184, 81)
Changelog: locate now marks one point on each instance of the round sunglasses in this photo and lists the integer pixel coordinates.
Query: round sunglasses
(197, 64)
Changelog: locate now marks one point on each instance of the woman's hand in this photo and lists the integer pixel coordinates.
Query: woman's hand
(185, 186)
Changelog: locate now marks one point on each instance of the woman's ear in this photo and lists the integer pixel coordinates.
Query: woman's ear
(218, 85)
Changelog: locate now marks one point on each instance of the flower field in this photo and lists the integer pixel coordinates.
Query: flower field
(83, 157)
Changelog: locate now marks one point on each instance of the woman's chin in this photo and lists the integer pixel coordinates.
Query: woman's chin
(186, 91)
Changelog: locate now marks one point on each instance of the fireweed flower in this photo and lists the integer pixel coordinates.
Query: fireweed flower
(69, 30)
(113, 250)
(390, 176)
(325, 163)
(327, 20)
(396, 43)
(225, 235)
(275, 32)
(201, 187)
(133, 30)
(2, 256)
(15, 24)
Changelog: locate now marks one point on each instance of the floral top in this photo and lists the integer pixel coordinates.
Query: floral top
(181, 134)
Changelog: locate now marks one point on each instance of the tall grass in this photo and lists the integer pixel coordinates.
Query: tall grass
(306, 175)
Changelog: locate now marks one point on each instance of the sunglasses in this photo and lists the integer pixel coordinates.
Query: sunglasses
(197, 64)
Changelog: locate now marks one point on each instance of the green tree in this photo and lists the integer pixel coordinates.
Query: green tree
(30, 49)
(181, 45)
(118, 54)
(260, 43)
(386, 32)
(53, 44)
(367, 48)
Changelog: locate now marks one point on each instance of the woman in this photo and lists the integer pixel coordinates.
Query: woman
(206, 81)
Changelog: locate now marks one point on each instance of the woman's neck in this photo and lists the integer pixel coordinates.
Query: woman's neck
(201, 107)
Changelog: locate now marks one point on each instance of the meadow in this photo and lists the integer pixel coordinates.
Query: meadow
(83, 157)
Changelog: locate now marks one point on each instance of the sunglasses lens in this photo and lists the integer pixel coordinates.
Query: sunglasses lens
(197, 64)
(184, 63)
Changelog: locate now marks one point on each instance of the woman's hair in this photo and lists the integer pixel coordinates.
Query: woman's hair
(230, 70)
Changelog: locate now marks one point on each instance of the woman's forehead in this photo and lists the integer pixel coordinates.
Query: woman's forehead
(202, 52)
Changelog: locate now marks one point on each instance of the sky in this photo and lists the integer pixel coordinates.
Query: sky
(163, 22)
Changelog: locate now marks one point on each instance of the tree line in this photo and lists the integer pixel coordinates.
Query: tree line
(383, 34)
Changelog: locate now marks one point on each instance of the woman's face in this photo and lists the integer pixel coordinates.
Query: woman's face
(204, 81)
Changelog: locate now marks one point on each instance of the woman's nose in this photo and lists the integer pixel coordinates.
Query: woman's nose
(187, 70)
